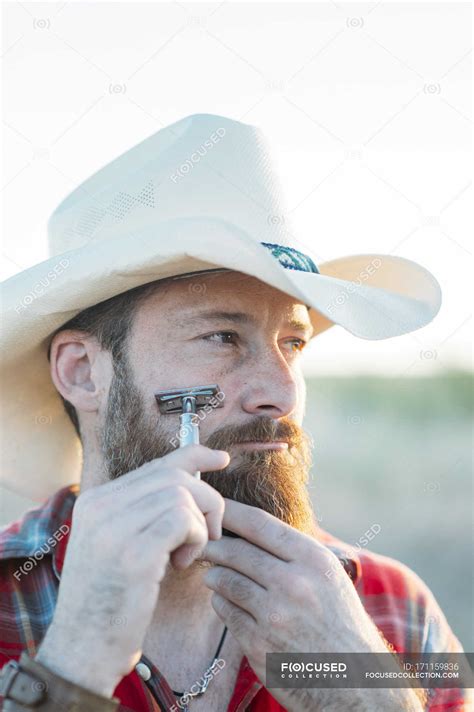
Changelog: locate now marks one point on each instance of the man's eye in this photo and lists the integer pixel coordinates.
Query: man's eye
(222, 337)
(297, 344)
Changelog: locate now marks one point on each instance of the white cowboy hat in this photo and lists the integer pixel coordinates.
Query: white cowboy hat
(197, 195)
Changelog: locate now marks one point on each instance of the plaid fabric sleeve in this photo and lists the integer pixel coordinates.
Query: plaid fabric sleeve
(439, 637)
(410, 620)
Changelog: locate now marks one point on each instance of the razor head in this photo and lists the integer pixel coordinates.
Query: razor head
(174, 400)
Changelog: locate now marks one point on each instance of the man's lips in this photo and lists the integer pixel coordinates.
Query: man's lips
(260, 445)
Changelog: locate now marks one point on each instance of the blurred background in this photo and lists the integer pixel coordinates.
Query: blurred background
(397, 452)
(368, 110)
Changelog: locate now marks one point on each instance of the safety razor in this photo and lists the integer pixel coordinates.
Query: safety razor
(187, 402)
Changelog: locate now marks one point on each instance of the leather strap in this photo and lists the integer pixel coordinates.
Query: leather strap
(20, 686)
(27, 685)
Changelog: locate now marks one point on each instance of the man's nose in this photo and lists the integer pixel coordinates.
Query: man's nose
(271, 386)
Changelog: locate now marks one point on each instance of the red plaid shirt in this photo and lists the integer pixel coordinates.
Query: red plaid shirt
(32, 552)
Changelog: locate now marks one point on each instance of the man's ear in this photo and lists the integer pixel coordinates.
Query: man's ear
(80, 369)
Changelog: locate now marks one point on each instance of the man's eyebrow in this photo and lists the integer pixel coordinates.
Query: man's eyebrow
(299, 325)
(239, 318)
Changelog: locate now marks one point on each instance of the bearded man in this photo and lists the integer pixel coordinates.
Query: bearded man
(155, 589)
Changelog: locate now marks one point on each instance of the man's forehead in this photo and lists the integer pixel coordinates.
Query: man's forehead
(216, 295)
(235, 285)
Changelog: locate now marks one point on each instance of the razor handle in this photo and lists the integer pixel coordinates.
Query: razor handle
(188, 427)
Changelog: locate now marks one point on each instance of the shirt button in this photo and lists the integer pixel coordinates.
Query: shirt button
(143, 670)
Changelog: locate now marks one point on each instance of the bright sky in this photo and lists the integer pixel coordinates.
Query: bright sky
(367, 107)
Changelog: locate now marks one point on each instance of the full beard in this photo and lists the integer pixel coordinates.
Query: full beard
(274, 481)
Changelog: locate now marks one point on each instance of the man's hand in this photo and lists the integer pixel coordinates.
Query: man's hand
(272, 589)
(123, 535)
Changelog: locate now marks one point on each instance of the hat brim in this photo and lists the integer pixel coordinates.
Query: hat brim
(372, 296)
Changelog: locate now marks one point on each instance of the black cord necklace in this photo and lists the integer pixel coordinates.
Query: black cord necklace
(207, 677)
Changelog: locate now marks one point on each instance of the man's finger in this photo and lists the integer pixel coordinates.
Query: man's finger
(239, 589)
(242, 556)
(265, 530)
(206, 497)
(190, 458)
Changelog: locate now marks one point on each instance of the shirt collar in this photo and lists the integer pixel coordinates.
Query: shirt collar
(346, 554)
(40, 529)
(49, 526)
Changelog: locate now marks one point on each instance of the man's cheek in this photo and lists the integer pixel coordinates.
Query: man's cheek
(300, 408)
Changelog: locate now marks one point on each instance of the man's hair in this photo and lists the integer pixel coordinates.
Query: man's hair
(110, 323)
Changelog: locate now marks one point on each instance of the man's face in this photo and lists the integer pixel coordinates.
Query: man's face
(235, 331)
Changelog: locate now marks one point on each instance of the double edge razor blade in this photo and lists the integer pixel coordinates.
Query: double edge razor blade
(186, 402)
(173, 400)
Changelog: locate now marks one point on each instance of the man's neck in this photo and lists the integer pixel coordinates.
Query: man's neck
(184, 618)
(184, 635)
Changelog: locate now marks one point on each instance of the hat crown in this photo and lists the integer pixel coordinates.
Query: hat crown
(201, 166)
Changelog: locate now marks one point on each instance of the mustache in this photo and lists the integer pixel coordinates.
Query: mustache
(270, 480)
(260, 429)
